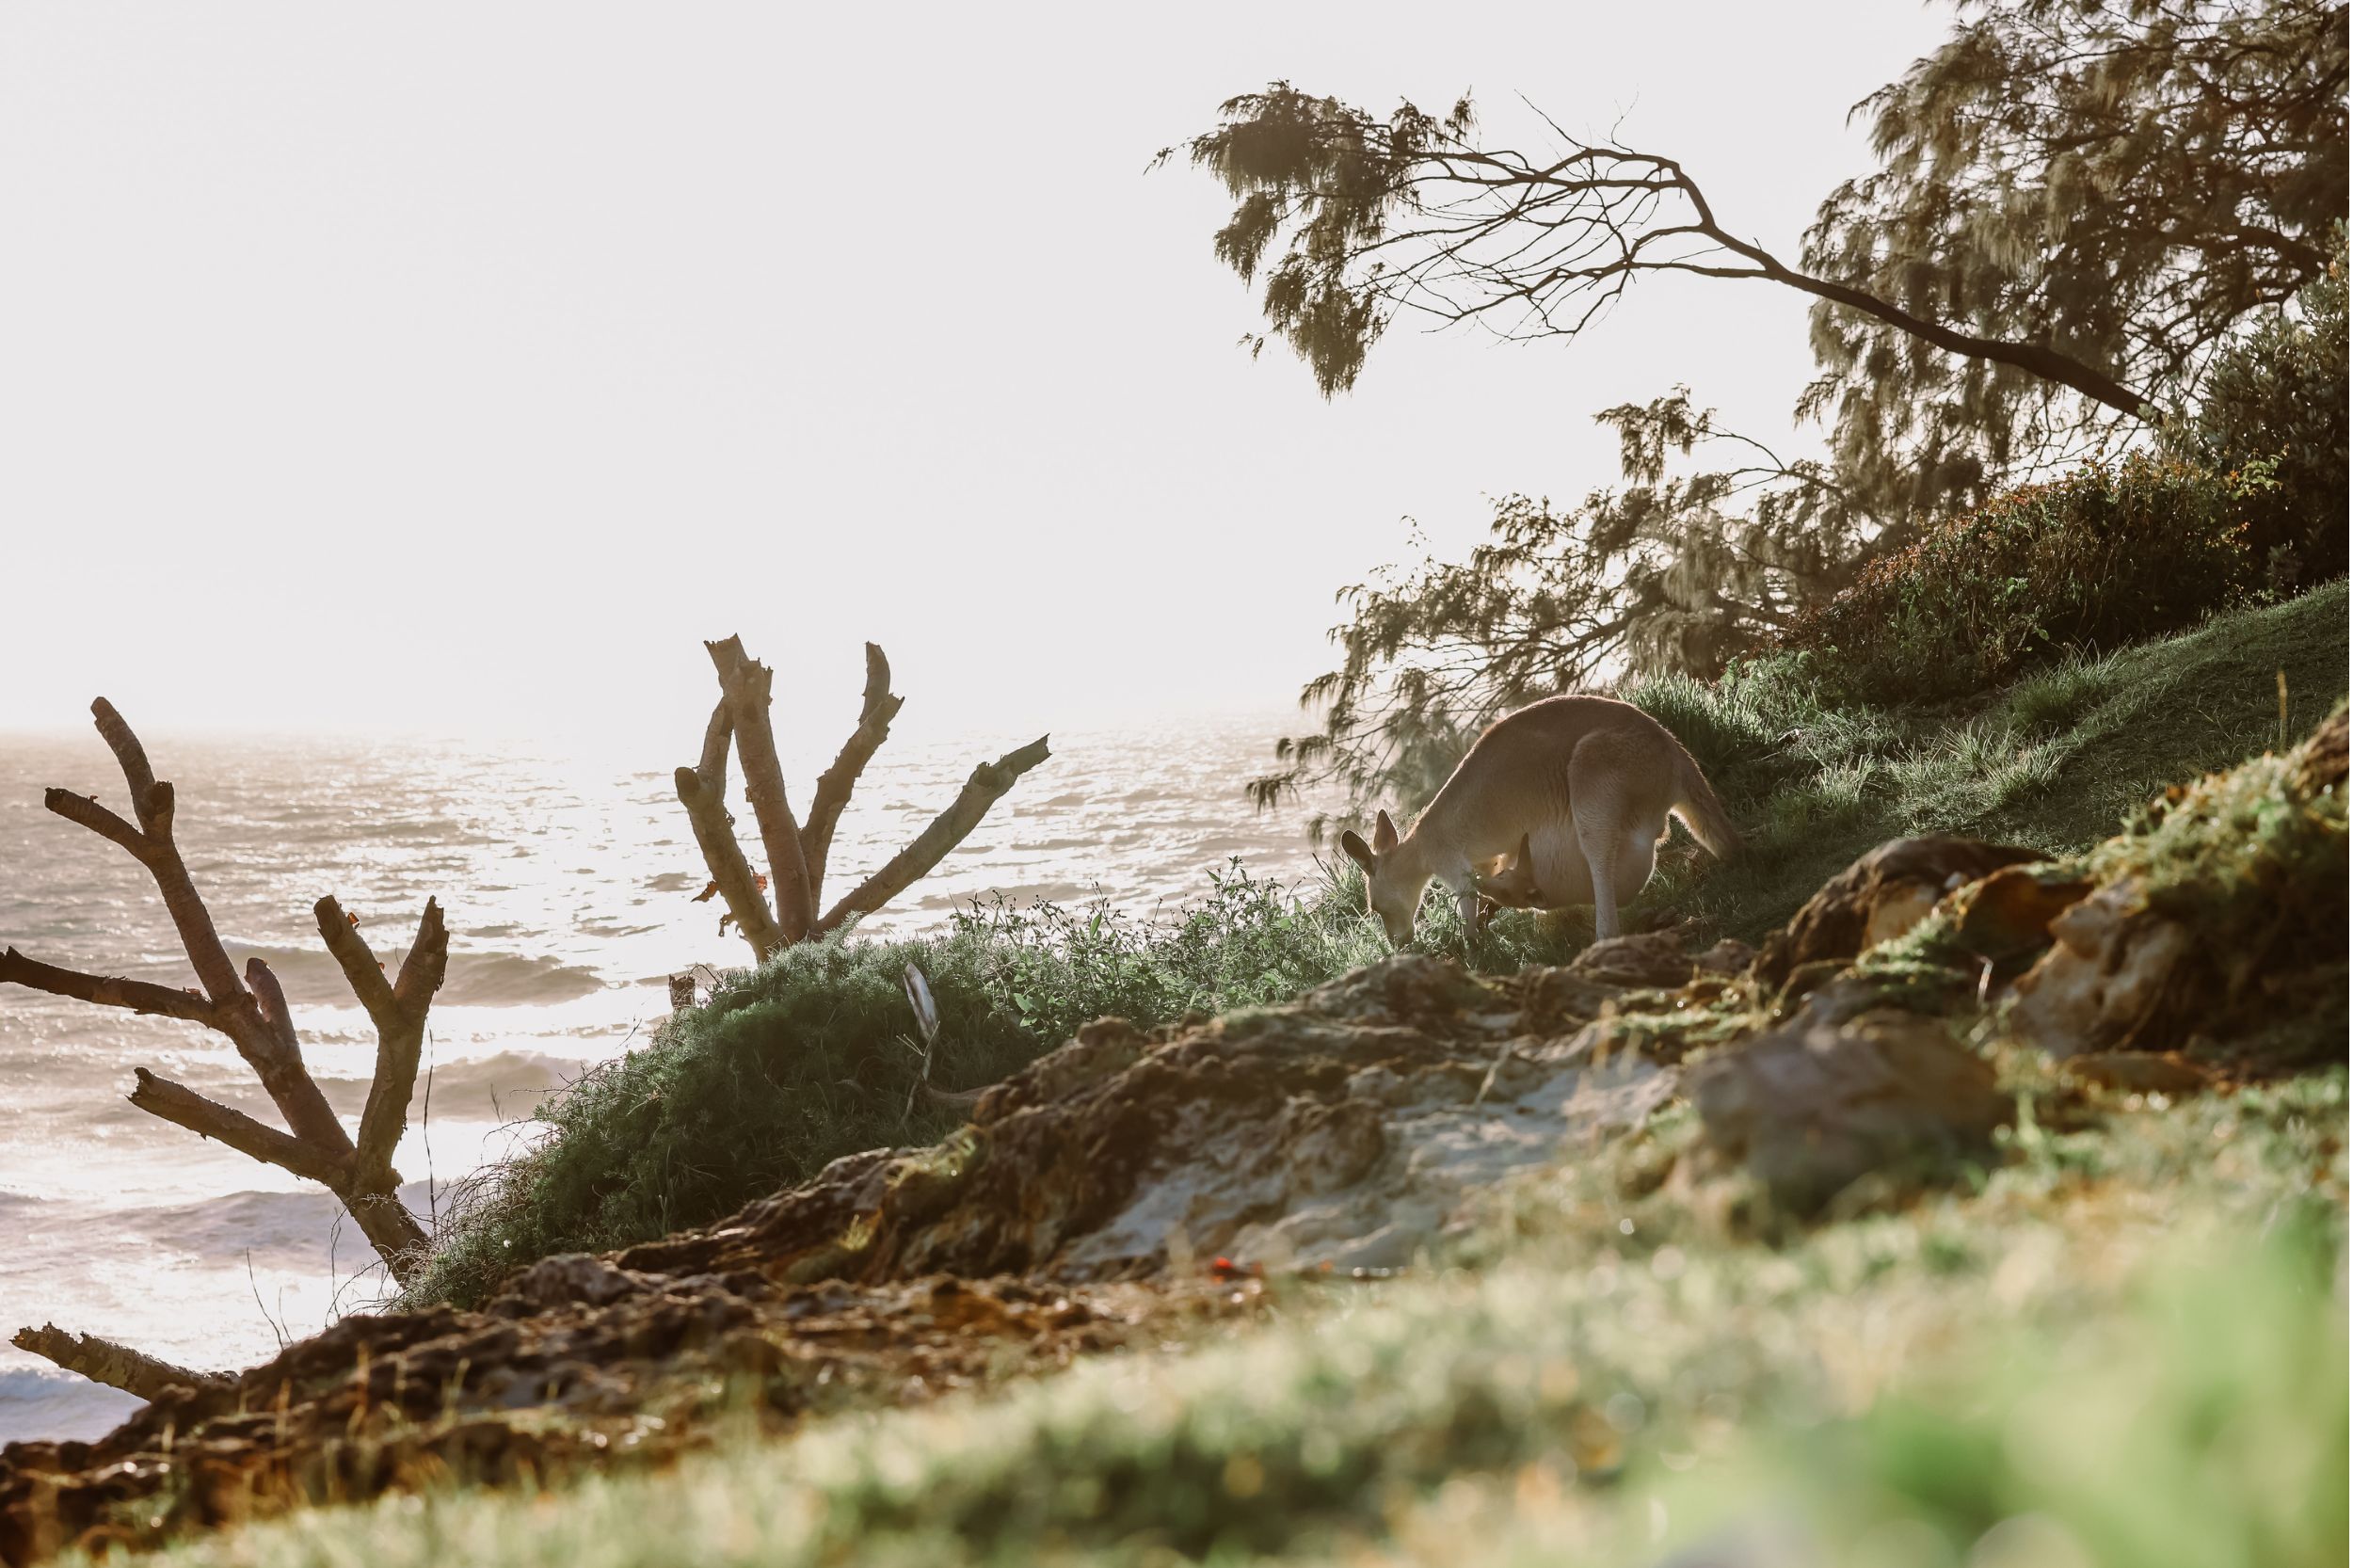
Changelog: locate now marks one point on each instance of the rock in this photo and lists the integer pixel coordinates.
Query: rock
(1814, 1106)
(1345, 1129)
(2106, 977)
(1878, 899)
(1654, 960)
(641, 1368)
(2009, 914)
(1728, 957)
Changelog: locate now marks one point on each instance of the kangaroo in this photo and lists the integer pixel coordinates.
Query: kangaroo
(1581, 785)
(1511, 884)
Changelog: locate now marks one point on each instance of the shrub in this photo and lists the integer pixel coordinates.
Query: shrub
(2278, 395)
(2100, 558)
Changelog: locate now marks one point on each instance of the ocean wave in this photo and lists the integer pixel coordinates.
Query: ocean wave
(48, 1402)
(312, 977)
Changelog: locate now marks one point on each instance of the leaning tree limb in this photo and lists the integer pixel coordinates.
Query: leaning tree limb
(134, 1372)
(911, 864)
(875, 711)
(250, 1010)
(703, 790)
(799, 853)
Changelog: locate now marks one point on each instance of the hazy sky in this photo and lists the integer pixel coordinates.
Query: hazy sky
(458, 367)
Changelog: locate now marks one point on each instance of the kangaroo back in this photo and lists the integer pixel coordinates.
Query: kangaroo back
(1701, 811)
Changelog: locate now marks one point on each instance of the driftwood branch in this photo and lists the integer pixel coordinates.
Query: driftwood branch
(138, 996)
(183, 1107)
(989, 781)
(251, 1011)
(399, 1011)
(875, 711)
(362, 970)
(747, 683)
(134, 1372)
(798, 855)
(84, 810)
(703, 790)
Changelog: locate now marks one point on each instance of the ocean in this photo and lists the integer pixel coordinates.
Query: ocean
(567, 882)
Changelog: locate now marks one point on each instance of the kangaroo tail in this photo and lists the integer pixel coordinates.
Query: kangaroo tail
(1702, 813)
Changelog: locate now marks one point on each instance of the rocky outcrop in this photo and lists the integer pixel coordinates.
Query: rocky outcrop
(1876, 900)
(2225, 913)
(1339, 1130)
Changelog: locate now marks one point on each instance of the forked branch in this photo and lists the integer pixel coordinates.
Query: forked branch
(745, 683)
(251, 1012)
(799, 860)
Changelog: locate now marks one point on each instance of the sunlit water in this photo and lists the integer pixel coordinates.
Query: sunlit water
(568, 887)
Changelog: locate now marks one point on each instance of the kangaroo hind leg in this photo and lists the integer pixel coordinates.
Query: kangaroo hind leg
(1601, 805)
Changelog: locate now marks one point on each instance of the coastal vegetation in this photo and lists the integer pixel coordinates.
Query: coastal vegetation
(1960, 1175)
(811, 1056)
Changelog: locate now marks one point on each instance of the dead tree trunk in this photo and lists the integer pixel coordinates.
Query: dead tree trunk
(134, 1372)
(797, 851)
(251, 1011)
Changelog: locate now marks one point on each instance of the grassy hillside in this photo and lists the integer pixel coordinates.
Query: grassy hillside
(2126, 1348)
(809, 1059)
(2053, 763)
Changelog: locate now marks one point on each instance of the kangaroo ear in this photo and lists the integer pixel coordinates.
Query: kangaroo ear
(1384, 834)
(1356, 849)
(1526, 853)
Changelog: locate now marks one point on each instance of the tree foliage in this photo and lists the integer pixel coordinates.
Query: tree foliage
(2077, 206)
(2123, 180)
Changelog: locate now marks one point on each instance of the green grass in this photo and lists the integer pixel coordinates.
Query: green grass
(2053, 763)
(2129, 1341)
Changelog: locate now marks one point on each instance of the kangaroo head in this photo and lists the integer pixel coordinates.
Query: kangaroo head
(1393, 885)
(1514, 886)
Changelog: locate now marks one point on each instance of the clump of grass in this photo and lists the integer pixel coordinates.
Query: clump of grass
(2054, 762)
(2053, 699)
(2240, 850)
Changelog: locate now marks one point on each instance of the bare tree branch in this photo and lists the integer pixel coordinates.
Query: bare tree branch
(746, 682)
(134, 1372)
(989, 781)
(716, 837)
(399, 1041)
(833, 784)
(86, 811)
(183, 1107)
(362, 970)
(138, 996)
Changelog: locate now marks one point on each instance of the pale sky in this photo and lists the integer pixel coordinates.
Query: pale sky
(457, 367)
